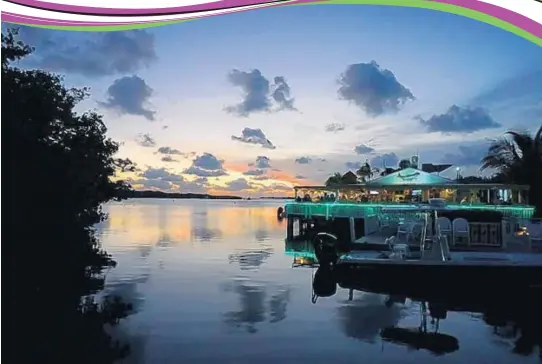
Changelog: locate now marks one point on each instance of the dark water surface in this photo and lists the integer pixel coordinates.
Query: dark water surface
(210, 282)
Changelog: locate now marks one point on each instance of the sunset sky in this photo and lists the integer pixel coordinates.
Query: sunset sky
(259, 101)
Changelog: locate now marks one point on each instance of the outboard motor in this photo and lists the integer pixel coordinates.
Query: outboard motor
(325, 249)
(280, 213)
(324, 283)
(437, 311)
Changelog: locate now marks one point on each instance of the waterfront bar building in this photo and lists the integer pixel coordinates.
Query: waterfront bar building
(357, 211)
(413, 186)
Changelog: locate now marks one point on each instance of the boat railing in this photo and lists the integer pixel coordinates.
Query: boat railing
(362, 209)
(438, 237)
(423, 237)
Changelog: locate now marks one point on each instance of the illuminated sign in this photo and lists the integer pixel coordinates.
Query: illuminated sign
(408, 177)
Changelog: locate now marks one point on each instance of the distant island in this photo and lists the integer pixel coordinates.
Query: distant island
(173, 195)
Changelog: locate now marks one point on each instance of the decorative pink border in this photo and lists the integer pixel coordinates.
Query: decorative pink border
(506, 15)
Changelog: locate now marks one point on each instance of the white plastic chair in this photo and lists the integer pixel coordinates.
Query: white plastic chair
(398, 250)
(444, 225)
(402, 230)
(409, 228)
(460, 229)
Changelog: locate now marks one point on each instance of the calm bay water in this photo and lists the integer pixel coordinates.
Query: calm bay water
(210, 282)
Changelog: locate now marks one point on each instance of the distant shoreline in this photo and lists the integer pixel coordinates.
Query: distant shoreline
(198, 196)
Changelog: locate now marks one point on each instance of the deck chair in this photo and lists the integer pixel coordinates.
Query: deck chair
(445, 227)
(409, 229)
(460, 229)
(397, 249)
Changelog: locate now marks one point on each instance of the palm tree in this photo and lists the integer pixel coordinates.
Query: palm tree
(517, 158)
(404, 164)
(336, 179)
(387, 171)
(365, 172)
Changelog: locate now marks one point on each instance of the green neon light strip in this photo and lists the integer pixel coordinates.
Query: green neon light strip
(352, 209)
(424, 4)
(300, 254)
(388, 205)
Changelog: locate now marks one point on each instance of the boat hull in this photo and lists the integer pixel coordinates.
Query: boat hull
(441, 280)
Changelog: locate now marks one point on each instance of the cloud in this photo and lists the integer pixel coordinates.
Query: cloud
(161, 174)
(303, 160)
(525, 86)
(254, 136)
(153, 184)
(239, 184)
(145, 140)
(162, 179)
(262, 162)
(516, 98)
(169, 159)
(281, 94)
(467, 155)
(128, 95)
(334, 127)
(206, 165)
(91, 55)
(254, 172)
(387, 159)
(201, 180)
(261, 178)
(459, 119)
(197, 186)
(274, 187)
(373, 89)
(169, 151)
(363, 149)
(353, 165)
(257, 93)
(300, 177)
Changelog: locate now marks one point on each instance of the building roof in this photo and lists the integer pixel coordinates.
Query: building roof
(409, 177)
(349, 174)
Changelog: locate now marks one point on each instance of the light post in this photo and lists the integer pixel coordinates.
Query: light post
(458, 174)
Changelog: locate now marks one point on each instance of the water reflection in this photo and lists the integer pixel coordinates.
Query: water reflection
(206, 234)
(253, 306)
(277, 305)
(261, 235)
(263, 311)
(251, 259)
(252, 302)
(364, 317)
(516, 321)
(127, 289)
(166, 222)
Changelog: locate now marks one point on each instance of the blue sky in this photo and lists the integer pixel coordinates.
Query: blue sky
(197, 104)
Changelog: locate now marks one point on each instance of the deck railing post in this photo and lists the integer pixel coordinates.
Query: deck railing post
(505, 224)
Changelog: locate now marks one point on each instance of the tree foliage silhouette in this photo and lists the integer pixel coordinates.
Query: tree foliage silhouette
(58, 170)
(517, 158)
